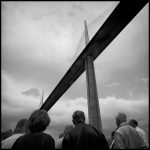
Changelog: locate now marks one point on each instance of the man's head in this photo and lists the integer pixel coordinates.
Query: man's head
(120, 118)
(78, 117)
(133, 123)
(38, 121)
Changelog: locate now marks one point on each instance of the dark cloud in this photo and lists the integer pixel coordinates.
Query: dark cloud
(32, 92)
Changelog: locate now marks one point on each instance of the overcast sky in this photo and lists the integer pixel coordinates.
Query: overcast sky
(39, 44)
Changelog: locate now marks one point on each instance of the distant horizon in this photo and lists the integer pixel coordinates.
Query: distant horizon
(106, 132)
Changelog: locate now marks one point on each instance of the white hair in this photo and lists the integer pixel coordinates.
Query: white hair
(121, 117)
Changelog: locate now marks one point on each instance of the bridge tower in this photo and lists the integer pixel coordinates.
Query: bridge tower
(92, 95)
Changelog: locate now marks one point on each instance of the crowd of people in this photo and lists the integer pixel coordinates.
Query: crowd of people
(29, 134)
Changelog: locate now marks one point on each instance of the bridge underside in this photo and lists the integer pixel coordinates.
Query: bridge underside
(115, 23)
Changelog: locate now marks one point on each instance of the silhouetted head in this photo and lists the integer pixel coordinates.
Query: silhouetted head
(38, 121)
(133, 123)
(120, 118)
(22, 126)
(78, 117)
(61, 135)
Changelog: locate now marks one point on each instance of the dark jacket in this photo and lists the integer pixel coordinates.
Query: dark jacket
(37, 140)
(84, 136)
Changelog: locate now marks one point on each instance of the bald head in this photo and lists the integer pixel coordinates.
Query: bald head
(120, 118)
(78, 117)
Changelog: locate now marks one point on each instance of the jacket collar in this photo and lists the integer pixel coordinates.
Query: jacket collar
(123, 123)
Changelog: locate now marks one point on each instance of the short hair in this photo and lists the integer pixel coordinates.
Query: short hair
(38, 121)
(120, 118)
(78, 117)
(21, 126)
(133, 123)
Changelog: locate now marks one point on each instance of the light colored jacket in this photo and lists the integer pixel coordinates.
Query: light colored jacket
(58, 143)
(126, 137)
(143, 135)
(8, 143)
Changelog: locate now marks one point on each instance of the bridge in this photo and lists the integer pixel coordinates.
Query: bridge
(114, 24)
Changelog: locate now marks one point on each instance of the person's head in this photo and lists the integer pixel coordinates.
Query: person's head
(61, 135)
(38, 121)
(22, 126)
(133, 123)
(78, 117)
(120, 118)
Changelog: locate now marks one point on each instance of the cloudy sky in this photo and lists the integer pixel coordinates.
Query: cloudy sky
(40, 40)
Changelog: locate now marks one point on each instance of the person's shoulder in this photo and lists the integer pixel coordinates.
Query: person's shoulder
(92, 128)
(124, 125)
(20, 137)
(77, 128)
(121, 128)
(17, 135)
(125, 128)
(7, 139)
(139, 129)
(88, 126)
(47, 135)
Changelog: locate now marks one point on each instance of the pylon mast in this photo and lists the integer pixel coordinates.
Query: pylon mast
(92, 95)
